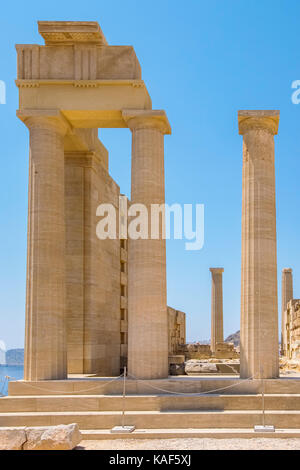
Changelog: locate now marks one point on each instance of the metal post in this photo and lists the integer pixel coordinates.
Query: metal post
(263, 428)
(123, 429)
(123, 401)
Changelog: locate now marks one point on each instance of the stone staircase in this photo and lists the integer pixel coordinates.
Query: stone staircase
(161, 414)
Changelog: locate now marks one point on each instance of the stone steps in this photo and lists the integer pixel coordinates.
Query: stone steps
(104, 434)
(45, 403)
(172, 385)
(156, 419)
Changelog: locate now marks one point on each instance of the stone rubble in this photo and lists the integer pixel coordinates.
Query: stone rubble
(61, 437)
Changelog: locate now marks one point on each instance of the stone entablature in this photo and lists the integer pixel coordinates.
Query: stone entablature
(75, 51)
(77, 62)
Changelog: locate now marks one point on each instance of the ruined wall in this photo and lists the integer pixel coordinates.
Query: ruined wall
(292, 316)
(195, 351)
(176, 322)
(225, 351)
(93, 269)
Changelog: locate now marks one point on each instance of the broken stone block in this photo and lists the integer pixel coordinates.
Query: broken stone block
(62, 437)
(199, 367)
(12, 438)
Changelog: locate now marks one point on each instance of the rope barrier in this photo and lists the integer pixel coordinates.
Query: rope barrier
(63, 392)
(190, 393)
(147, 382)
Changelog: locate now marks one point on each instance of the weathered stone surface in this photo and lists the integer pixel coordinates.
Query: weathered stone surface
(195, 351)
(292, 329)
(200, 367)
(62, 437)
(12, 438)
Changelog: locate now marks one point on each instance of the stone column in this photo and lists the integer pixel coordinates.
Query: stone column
(45, 336)
(216, 307)
(259, 310)
(286, 296)
(147, 303)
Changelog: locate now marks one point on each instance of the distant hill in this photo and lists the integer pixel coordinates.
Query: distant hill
(234, 338)
(15, 357)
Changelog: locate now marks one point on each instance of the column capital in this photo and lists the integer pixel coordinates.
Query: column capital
(287, 270)
(216, 270)
(45, 119)
(149, 119)
(267, 120)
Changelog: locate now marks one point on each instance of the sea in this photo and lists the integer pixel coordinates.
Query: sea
(13, 373)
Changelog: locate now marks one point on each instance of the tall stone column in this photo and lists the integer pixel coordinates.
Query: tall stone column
(147, 302)
(259, 310)
(286, 296)
(216, 307)
(45, 336)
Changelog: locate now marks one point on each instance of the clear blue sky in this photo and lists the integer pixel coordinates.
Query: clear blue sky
(201, 61)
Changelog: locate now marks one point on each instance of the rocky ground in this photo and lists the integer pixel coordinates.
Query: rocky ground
(192, 444)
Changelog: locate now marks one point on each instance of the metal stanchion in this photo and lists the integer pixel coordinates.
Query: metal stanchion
(123, 429)
(263, 427)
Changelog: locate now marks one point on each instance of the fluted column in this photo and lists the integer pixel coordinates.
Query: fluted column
(45, 341)
(147, 302)
(286, 296)
(259, 310)
(216, 307)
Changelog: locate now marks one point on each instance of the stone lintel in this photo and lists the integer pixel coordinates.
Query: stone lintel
(141, 119)
(71, 32)
(287, 270)
(258, 119)
(45, 117)
(216, 270)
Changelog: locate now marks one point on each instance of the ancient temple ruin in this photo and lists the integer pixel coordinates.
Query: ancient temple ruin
(94, 306)
(79, 288)
(290, 316)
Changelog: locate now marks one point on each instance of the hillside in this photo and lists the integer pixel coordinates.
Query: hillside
(234, 338)
(15, 357)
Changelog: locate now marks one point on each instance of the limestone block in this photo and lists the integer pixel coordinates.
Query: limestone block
(12, 438)
(176, 359)
(62, 437)
(200, 367)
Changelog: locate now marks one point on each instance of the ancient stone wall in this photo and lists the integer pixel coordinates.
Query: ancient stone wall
(195, 351)
(225, 351)
(292, 316)
(176, 322)
(93, 269)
